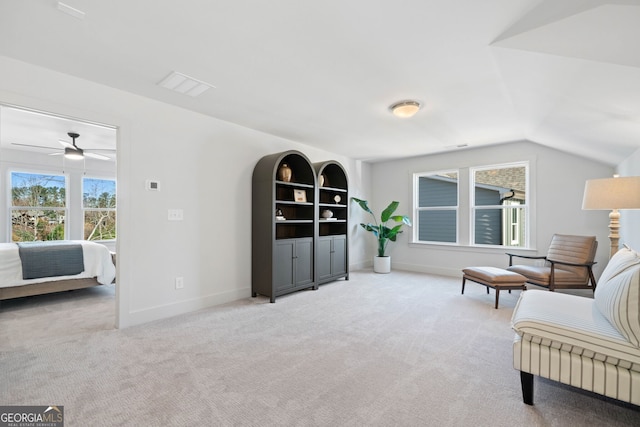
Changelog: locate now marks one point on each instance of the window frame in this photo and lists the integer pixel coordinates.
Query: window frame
(473, 208)
(417, 208)
(465, 217)
(11, 208)
(84, 209)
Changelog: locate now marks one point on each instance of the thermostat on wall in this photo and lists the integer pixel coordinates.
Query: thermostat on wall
(152, 185)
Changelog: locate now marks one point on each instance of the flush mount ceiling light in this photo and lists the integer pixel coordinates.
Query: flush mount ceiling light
(182, 83)
(405, 108)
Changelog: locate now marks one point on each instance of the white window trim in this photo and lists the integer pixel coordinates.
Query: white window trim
(84, 210)
(417, 208)
(465, 219)
(9, 198)
(526, 206)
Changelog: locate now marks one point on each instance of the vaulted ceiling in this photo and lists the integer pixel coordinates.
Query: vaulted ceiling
(562, 73)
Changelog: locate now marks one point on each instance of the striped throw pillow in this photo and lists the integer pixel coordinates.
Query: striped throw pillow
(617, 295)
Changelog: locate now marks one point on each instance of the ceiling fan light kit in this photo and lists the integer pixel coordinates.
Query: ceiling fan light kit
(405, 109)
(74, 153)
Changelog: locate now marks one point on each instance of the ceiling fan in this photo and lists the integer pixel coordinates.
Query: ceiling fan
(72, 151)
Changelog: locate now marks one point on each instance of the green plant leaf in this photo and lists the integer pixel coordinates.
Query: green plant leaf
(370, 227)
(363, 204)
(382, 233)
(386, 214)
(402, 218)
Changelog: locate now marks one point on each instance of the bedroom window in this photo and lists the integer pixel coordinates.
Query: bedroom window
(436, 205)
(99, 207)
(38, 207)
(500, 205)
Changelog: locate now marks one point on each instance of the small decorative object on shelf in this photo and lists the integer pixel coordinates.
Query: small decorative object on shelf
(327, 214)
(300, 196)
(321, 180)
(337, 198)
(279, 215)
(284, 173)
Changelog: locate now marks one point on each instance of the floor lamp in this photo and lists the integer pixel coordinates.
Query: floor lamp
(612, 194)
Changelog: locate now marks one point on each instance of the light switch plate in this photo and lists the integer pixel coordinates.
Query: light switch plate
(176, 214)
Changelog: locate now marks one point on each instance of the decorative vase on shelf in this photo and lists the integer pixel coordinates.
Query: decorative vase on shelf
(321, 181)
(284, 173)
(327, 214)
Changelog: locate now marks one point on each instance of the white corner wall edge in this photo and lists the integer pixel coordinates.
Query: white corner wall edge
(160, 312)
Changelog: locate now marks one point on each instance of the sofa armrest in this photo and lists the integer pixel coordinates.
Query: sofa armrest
(568, 320)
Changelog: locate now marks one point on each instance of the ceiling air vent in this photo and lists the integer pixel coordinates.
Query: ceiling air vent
(182, 83)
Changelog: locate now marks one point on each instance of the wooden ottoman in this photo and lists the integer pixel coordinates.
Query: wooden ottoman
(493, 277)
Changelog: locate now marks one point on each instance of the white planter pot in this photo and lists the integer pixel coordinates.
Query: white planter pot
(382, 264)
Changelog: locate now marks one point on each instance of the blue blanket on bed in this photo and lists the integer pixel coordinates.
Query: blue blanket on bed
(48, 259)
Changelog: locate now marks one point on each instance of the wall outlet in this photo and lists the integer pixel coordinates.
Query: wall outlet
(179, 282)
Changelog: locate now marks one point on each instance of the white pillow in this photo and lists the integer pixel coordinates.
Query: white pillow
(617, 295)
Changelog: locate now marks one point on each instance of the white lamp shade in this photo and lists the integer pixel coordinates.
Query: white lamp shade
(612, 193)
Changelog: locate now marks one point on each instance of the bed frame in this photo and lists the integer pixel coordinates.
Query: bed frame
(47, 288)
(50, 287)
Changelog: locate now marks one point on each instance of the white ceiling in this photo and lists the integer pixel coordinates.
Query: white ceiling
(562, 73)
(33, 131)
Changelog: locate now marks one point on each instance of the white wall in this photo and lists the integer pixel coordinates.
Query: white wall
(204, 166)
(557, 181)
(630, 219)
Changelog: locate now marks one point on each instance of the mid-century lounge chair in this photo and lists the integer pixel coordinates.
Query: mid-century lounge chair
(567, 265)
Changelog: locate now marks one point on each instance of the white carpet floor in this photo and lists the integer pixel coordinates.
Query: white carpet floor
(403, 349)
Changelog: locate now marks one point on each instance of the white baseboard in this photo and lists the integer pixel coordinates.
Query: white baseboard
(181, 307)
(431, 269)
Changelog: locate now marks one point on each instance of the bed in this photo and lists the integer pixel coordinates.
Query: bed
(36, 268)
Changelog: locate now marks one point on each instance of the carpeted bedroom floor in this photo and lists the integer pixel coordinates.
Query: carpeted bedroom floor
(403, 349)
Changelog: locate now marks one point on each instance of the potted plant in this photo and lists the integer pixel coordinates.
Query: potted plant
(383, 234)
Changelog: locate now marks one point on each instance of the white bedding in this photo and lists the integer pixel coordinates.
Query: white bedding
(97, 263)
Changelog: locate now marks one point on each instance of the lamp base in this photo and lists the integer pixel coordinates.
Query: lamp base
(614, 228)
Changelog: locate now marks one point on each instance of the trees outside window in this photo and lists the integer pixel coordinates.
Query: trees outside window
(38, 207)
(99, 207)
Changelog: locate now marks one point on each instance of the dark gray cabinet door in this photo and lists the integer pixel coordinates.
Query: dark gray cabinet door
(293, 263)
(332, 257)
(339, 256)
(283, 265)
(303, 265)
(323, 260)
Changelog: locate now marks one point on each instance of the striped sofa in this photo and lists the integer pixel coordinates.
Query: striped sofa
(593, 344)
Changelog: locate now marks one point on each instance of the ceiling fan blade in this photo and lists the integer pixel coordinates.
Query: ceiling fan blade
(34, 146)
(66, 144)
(113, 150)
(97, 156)
(56, 154)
